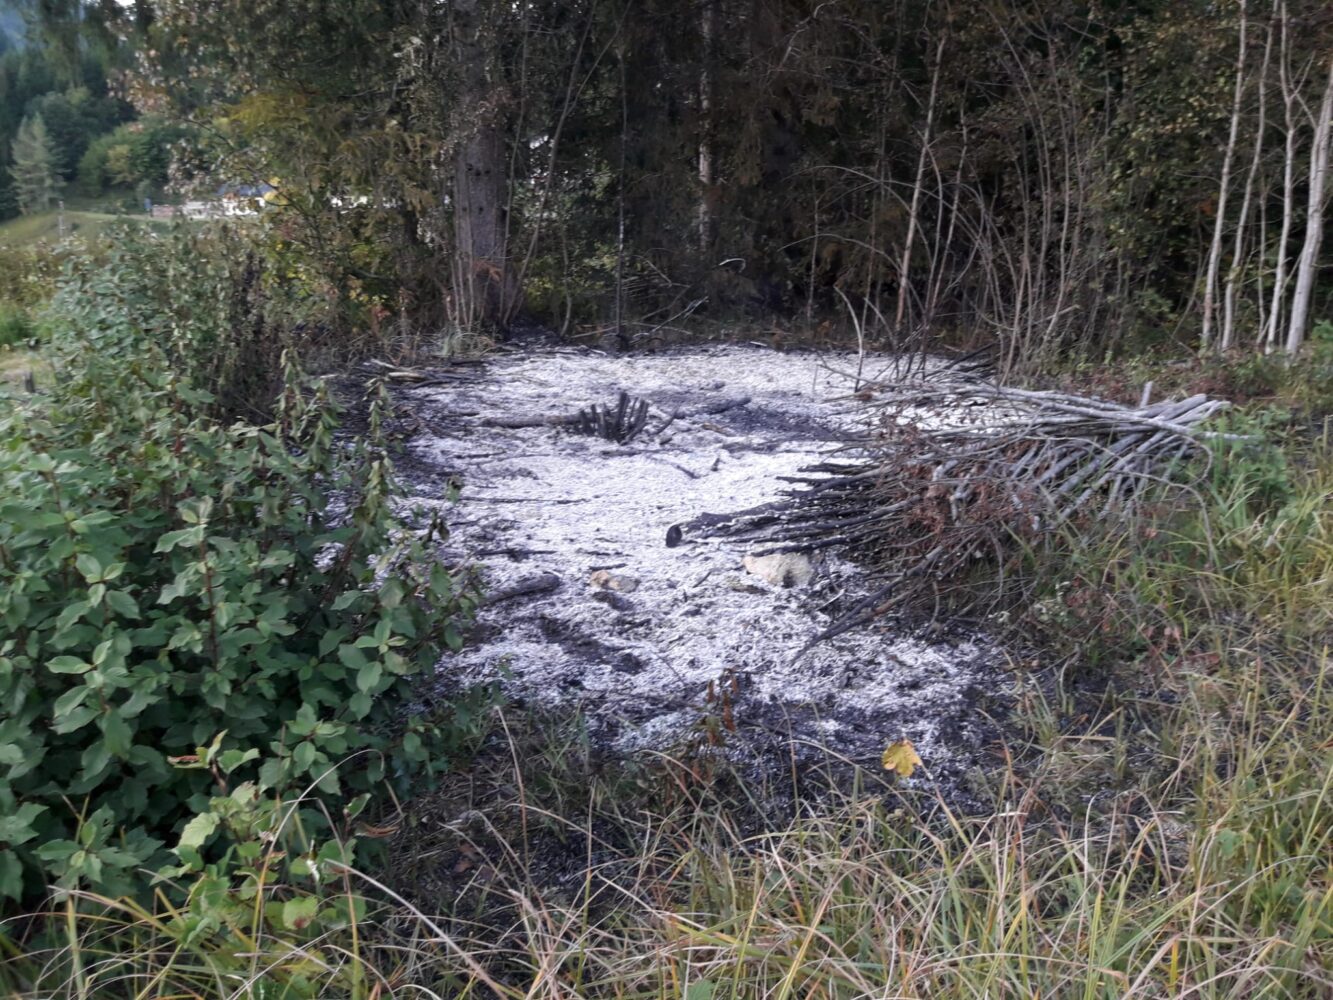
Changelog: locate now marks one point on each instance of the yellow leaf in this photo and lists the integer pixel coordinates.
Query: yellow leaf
(901, 757)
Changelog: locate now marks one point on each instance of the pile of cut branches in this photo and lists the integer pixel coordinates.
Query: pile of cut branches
(957, 475)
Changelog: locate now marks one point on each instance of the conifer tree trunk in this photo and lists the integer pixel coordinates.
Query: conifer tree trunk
(480, 182)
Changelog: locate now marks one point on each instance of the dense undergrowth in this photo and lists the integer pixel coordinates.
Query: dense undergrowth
(202, 619)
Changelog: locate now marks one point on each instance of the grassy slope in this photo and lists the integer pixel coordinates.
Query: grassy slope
(29, 229)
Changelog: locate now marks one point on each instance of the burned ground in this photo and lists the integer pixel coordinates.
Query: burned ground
(643, 663)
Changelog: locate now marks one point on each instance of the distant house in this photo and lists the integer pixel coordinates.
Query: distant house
(230, 200)
(234, 193)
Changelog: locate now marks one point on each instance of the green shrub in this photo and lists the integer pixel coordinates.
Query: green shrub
(136, 153)
(165, 578)
(201, 298)
(28, 275)
(16, 326)
(258, 921)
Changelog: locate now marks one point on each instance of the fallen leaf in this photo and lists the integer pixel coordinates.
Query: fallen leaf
(901, 757)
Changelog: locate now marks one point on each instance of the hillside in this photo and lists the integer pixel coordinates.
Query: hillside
(45, 226)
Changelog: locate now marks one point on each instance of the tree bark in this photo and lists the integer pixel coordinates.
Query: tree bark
(1289, 95)
(485, 283)
(1238, 247)
(708, 28)
(927, 137)
(1215, 250)
(1314, 222)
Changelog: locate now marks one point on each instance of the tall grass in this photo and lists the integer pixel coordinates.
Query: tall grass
(1228, 900)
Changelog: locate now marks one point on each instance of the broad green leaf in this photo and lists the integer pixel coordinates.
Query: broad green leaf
(197, 831)
(368, 676)
(230, 760)
(123, 604)
(185, 536)
(352, 656)
(74, 720)
(117, 734)
(71, 700)
(17, 828)
(299, 913)
(89, 567)
(68, 665)
(11, 875)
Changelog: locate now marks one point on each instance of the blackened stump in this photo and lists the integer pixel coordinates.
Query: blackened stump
(619, 423)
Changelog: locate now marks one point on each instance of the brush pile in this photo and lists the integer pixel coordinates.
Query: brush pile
(957, 474)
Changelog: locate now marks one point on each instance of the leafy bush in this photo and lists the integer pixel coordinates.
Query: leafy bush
(165, 578)
(265, 913)
(16, 325)
(279, 914)
(202, 299)
(28, 275)
(27, 280)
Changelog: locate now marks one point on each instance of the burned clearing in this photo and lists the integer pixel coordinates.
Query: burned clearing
(589, 609)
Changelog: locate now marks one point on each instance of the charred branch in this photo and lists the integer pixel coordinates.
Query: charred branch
(620, 423)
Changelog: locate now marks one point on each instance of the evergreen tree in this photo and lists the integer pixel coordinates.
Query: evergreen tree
(8, 205)
(34, 169)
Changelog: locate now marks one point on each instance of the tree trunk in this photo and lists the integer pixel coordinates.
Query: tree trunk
(484, 282)
(1238, 248)
(708, 28)
(1215, 251)
(1289, 95)
(1314, 222)
(927, 137)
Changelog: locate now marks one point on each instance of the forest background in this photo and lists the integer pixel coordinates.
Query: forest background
(1095, 195)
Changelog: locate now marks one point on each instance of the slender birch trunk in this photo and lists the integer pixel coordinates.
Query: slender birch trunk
(708, 28)
(1289, 97)
(904, 269)
(1215, 250)
(1238, 249)
(1314, 222)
